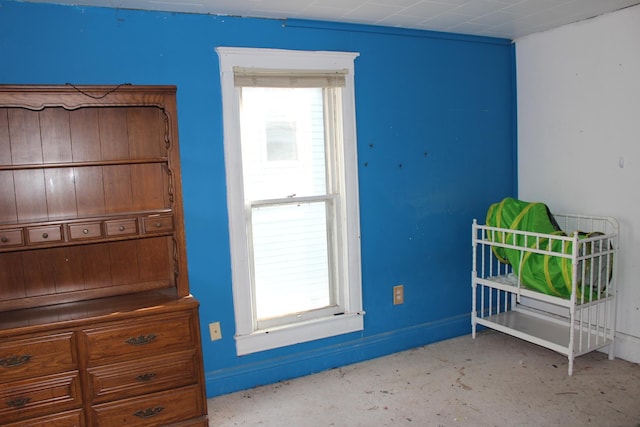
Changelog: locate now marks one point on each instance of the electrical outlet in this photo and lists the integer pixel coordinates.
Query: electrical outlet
(214, 331)
(398, 294)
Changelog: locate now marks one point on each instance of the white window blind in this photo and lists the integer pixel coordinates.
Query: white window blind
(260, 77)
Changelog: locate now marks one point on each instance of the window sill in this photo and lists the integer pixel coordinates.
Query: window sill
(267, 339)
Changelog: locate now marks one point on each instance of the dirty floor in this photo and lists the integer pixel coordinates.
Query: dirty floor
(494, 380)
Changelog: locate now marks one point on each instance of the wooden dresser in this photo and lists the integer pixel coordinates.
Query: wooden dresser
(97, 325)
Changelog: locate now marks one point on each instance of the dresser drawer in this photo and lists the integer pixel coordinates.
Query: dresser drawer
(128, 341)
(45, 234)
(40, 396)
(121, 227)
(158, 224)
(65, 419)
(23, 358)
(85, 230)
(11, 237)
(199, 422)
(121, 380)
(157, 409)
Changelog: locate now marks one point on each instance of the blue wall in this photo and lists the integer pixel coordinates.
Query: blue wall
(436, 146)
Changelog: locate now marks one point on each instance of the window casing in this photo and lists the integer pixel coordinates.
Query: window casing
(318, 195)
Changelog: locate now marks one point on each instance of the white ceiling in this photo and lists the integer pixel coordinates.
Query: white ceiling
(495, 18)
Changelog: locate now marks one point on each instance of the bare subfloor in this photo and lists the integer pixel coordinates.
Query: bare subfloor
(494, 380)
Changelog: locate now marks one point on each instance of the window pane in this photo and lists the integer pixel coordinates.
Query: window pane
(283, 142)
(290, 259)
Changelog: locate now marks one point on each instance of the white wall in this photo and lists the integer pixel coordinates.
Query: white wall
(579, 136)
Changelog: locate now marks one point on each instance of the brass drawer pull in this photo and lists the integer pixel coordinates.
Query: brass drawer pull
(142, 339)
(12, 361)
(18, 402)
(4, 239)
(45, 235)
(149, 412)
(121, 228)
(146, 377)
(158, 224)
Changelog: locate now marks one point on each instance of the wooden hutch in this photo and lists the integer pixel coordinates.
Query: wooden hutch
(97, 325)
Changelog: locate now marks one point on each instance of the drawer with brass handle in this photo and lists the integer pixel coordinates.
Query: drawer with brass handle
(45, 234)
(11, 237)
(85, 230)
(158, 224)
(46, 395)
(156, 409)
(126, 340)
(127, 379)
(73, 418)
(121, 227)
(22, 358)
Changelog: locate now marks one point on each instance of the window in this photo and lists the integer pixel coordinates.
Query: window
(292, 194)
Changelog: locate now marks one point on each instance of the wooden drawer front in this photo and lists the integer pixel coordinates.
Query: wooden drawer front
(200, 422)
(131, 340)
(121, 227)
(87, 230)
(121, 380)
(157, 409)
(23, 358)
(47, 234)
(158, 224)
(11, 237)
(65, 419)
(43, 396)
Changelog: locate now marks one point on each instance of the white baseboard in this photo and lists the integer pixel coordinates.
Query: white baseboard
(627, 347)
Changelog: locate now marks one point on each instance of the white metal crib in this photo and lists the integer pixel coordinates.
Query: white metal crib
(571, 326)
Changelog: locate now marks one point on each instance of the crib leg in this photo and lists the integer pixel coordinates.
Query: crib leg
(473, 325)
(611, 352)
(570, 365)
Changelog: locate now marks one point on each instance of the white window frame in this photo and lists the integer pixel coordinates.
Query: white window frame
(250, 339)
